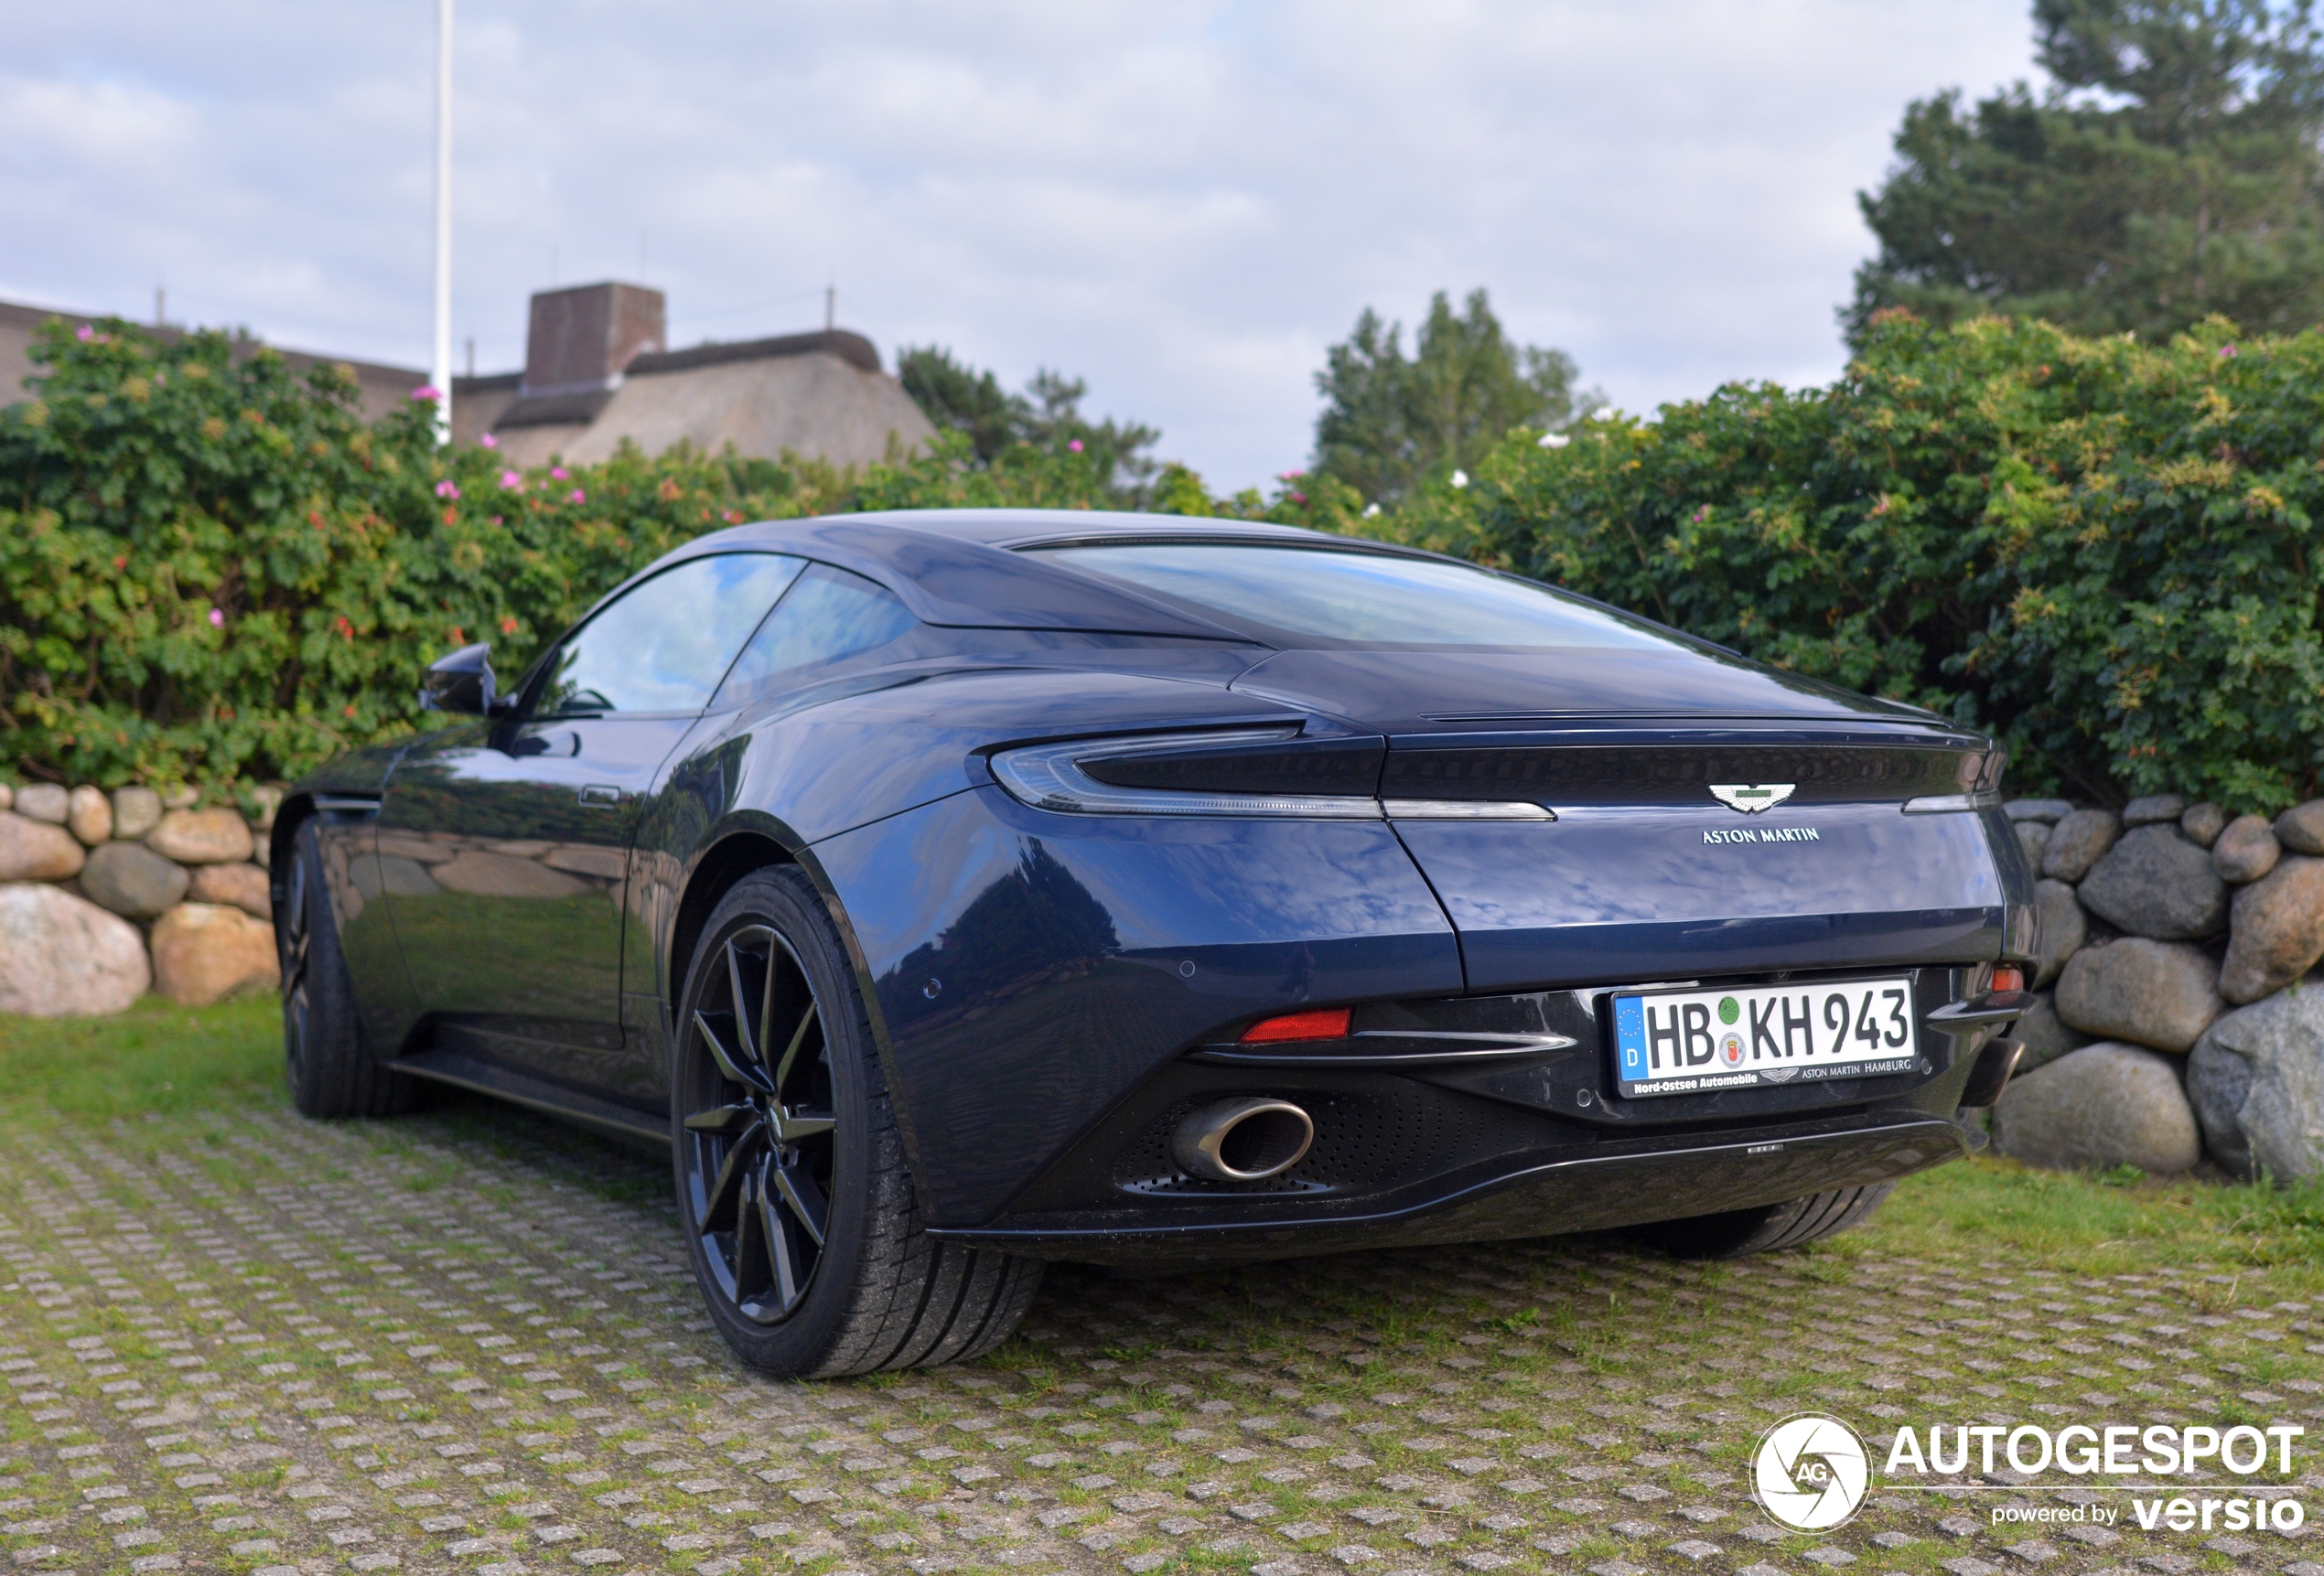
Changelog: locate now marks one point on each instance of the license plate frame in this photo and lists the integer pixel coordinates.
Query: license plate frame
(1763, 1045)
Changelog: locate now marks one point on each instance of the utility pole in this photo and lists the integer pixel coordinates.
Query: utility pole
(830, 306)
(440, 361)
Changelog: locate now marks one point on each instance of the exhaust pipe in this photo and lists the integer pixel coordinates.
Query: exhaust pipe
(1242, 1140)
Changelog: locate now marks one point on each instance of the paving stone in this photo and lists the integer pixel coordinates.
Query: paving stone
(314, 1313)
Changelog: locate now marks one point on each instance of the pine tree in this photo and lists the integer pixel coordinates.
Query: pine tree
(2169, 170)
(1389, 421)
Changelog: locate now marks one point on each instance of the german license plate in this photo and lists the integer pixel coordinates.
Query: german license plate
(1691, 1042)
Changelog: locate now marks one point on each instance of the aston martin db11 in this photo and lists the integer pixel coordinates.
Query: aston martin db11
(954, 892)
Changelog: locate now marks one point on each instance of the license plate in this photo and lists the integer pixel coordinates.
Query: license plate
(1691, 1042)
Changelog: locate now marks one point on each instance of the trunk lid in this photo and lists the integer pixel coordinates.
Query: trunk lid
(1647, 873)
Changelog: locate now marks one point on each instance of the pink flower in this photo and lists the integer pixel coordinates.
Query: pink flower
(511, 481)
(1298, 497)
(1291, 476)
(489, 441)
(1075, 445)
(2225, 351)
(85, 333)
(580, 497)
(447, 489)
(558, 473)
(217, 619)
(427, 391)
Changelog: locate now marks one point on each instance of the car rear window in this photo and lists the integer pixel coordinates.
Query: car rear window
(1362, 598)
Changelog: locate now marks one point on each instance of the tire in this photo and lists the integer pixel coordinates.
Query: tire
(801, 1218)
(332, 1073)
(1766, 1229)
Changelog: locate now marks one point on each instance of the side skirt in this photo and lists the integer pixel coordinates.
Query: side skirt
(534, 1094)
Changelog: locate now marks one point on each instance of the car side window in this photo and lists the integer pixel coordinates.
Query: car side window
(663, 645)
(828, 614)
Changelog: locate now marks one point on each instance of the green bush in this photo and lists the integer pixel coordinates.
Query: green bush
(211, 568)
(2102, 550)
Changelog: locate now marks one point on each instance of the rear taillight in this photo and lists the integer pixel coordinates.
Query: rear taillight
(1270, 772)
(1324, 1024)
(2008, 977)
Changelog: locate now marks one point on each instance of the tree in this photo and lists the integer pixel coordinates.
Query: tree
(1388, 422)
(1047, 416)
(2170, 171)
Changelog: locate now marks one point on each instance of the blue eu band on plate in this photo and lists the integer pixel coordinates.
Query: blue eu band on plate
(1685, 1042)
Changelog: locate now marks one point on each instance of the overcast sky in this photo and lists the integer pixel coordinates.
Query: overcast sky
(1183, 203)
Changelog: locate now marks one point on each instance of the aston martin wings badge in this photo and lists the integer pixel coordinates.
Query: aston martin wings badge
(1751, 798)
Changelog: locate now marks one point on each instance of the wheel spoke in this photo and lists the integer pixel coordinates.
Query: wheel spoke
(782, 1251)
(804, 1198)
(790, 1052)
(755, 1255)
(726, 1119)
(789, 1126)
(742, 1156)
(737, 995)
(726, 1059)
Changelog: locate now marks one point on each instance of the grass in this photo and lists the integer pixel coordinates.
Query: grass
(154, 1057)
(162, 1058)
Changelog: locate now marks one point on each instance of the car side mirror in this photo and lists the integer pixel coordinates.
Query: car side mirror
(462, 681)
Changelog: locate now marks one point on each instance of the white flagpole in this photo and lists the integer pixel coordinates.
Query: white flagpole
(440, 363)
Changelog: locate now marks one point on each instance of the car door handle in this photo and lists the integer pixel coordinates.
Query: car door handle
(601, 795)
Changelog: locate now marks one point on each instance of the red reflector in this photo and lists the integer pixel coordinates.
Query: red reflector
(2008, 977)
(1330, 1024)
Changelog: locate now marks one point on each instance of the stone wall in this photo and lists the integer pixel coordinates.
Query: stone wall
(106, 895)
(2175, 1017)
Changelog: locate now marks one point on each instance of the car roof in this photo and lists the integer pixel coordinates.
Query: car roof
(960, 567)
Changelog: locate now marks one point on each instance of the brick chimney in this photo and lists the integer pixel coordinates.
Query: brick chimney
(581, 339)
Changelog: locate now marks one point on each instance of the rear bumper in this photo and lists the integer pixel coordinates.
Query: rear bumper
(1616, 1181)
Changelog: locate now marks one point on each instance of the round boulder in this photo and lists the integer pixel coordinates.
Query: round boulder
(2279, 930)
(2078, 841)
(2203, 823)
(89, 815)
(2158, 993)
(44, 802)
(2041, 809)
(2101, 1106)
(2033, 836)
(216, 836)
(36, 849)
(2299, 828)
(63, 956)
(2256, 1078)
(204, 952)
(2156, 883)
(2153, 807)
(2045, 1035)
(241, 886)
(2064, 928)
(132, 880)
(2247, 850)
(136, 812)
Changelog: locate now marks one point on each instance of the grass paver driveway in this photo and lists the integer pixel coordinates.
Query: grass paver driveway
(233, 1340)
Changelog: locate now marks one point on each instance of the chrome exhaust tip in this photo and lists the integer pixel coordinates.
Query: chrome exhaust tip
(1242, 1140)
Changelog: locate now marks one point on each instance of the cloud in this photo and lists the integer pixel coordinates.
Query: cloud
(1184, 203)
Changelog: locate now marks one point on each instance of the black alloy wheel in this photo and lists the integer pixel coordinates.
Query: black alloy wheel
(759, 1167)
(799, 1209)
(331, 1072)
(1768, 1229)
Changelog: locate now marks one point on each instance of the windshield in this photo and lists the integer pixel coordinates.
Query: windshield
(1362, 598)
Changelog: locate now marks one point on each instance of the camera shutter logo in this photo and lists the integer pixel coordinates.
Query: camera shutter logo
(1811, 1472)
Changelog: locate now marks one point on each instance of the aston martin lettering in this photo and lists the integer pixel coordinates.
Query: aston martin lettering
(1750, 799)
(1763, 834)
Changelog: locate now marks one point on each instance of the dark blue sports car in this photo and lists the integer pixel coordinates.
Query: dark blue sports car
(955, 891)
